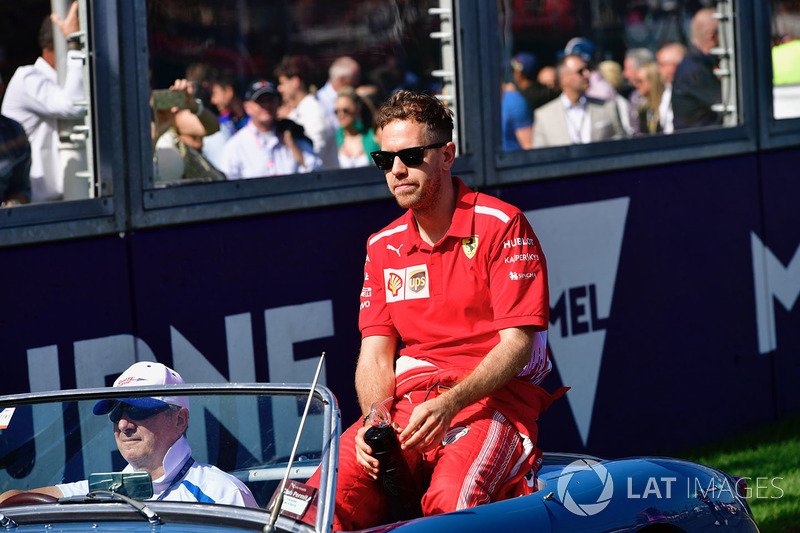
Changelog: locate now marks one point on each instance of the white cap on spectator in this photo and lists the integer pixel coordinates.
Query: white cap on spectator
(145, 373)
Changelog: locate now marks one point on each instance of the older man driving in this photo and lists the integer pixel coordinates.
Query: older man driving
(149, 435)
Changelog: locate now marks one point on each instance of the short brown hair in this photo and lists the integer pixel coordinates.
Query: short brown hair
(419, 107)
(46, 34)
(291, 66)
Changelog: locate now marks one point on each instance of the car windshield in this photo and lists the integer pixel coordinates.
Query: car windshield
(247, 431)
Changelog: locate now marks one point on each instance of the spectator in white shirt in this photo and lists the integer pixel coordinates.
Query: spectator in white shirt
(343, 72)
(262, 148)
(36, 100)
(303, 108)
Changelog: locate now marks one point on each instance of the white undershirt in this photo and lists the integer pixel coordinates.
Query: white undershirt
(578, 122)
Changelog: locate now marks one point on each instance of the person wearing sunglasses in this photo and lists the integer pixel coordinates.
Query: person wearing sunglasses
(574, 117)
(355, 139)
(149, 433)
(454, 312)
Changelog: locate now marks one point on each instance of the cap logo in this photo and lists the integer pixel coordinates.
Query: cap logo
(127, 380)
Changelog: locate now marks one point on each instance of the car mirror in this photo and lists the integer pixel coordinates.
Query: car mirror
(136, 485)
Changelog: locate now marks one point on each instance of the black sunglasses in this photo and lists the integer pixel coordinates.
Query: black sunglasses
(134, 413)
(411, 157)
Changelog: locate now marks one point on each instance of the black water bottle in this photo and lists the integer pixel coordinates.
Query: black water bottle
(393, 473)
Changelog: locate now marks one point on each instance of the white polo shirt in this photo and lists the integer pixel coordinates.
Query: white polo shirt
(202, 483)
(311, 114)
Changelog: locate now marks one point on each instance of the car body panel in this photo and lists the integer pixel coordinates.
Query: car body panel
(258, 422)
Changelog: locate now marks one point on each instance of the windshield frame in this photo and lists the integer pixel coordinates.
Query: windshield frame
(331, 430)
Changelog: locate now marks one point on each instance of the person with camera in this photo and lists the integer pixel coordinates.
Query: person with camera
(180, 122)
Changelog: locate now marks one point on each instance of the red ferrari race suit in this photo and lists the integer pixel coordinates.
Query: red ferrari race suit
(446, 304)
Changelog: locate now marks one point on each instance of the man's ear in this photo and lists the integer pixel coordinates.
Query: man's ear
(448, 155)
(182, 419)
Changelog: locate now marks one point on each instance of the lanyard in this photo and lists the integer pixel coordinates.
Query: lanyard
(262, 145)
(178, 477)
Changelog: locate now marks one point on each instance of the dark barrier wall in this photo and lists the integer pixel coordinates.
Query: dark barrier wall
(780, 240)
(673, 301)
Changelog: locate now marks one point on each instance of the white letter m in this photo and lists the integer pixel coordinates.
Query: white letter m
(771, 278)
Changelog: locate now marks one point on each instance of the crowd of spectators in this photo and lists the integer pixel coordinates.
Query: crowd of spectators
(291, 126)
(674, 86)
(269, 129)
(224, 128)
(209, 125)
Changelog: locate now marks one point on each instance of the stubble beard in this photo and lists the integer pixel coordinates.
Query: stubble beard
(421, 201)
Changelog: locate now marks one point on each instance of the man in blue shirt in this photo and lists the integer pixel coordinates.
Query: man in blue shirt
(516, 113)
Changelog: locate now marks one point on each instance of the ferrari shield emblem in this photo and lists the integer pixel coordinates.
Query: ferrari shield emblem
(470, 246)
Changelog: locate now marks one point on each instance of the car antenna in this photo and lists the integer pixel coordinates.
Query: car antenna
(276, 508)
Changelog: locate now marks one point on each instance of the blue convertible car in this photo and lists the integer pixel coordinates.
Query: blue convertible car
(251, 431)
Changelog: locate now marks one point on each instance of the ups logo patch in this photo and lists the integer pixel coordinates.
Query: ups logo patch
(417, 281)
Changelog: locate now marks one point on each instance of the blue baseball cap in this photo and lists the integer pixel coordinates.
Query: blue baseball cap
(525, 62)
(581, 47)
(260, 88)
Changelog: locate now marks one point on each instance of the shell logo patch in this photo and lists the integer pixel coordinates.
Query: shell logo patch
(470, 246)
(394, 284)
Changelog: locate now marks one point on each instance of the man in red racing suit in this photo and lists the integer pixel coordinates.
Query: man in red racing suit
(459, 285)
